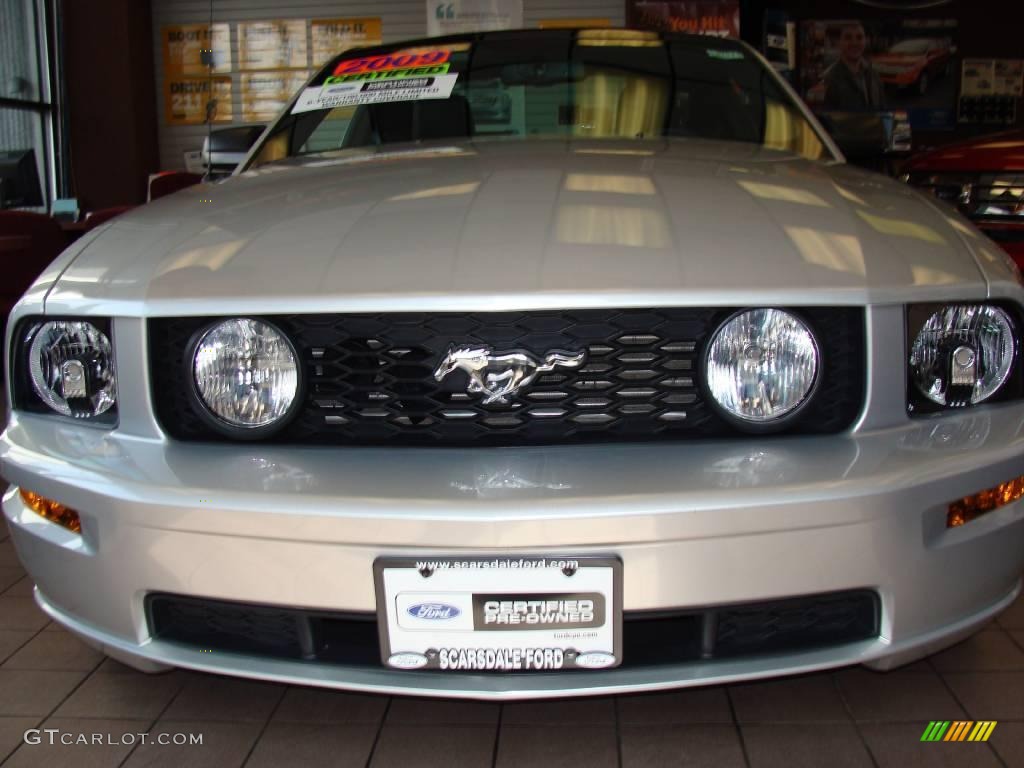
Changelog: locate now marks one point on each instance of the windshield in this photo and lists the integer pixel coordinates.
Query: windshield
(585, 84)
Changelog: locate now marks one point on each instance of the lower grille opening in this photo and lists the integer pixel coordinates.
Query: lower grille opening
(649, 639)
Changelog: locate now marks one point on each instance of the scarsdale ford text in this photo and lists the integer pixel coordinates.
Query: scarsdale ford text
(500, 658)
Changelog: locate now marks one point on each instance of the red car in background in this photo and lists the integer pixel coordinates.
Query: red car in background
(984, 178)
(914, 63)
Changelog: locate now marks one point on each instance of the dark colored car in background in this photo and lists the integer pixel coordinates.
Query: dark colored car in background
(984, 178)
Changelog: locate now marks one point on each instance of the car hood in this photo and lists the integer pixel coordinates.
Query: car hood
(535, 224)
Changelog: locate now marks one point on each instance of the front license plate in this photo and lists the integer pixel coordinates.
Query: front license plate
(500, 614)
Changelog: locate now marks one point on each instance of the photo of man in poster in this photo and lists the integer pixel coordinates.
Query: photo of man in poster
(850, 66)
(852, 84)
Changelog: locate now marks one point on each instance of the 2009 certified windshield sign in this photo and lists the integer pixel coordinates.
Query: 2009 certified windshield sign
(358, 92)
(392, 62)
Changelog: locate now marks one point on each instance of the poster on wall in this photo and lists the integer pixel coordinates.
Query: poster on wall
(448, 17)
(334, 36)
(265, 94)
(989, 89)
(188, 100)
(848, 65)
(720, 18)
(191, 49)
(1009, 77)
(992, 77)
(278, 44)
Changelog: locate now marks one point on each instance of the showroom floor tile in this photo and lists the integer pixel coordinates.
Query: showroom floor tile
(851, 717)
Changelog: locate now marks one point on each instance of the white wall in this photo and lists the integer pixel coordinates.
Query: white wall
(399, 18)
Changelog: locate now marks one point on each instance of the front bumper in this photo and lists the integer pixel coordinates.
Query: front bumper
(696, 524)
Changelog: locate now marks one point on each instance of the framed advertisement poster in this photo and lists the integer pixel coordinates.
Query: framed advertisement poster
(849, 65)
(196, 49)
(265, 94)
(448, 17)
(334, 36)
(197, 100)
(277, 44)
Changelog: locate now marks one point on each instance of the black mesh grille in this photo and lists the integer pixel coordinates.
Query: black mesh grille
(788, 625)
(732, 631)
(370, 377)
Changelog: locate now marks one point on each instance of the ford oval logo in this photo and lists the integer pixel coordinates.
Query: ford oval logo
(595, 660)
(433, 611)
(407, 660)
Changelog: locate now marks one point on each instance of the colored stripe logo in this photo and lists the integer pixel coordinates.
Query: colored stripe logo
(958, 730)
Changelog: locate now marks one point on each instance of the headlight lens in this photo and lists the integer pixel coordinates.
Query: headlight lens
(246, 373)
(762, 365)
(71, 366)
(963, 354)
(995, 196)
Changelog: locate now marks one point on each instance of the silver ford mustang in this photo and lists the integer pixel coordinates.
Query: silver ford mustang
(639, 386)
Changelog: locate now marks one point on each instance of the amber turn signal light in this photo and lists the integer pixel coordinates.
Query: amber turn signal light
(52, 511)
(972, 507)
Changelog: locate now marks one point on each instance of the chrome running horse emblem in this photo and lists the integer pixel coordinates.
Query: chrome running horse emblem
(498, 377)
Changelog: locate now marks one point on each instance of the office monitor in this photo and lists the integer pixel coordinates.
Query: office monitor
(19, 179)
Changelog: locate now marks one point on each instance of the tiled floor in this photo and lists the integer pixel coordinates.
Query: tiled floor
(852, 717)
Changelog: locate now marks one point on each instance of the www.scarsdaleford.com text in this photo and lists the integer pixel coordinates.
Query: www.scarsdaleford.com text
(498, 562)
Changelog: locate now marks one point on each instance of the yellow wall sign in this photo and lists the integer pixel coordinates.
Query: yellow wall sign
(333, 36)
(574, 23)
(187, 100)
(265, 94)
(184, 47)
(277, 44)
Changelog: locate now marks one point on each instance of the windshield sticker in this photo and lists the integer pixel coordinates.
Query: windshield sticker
(389, 74)
(392, 61)
(724, 55)
(374, 92)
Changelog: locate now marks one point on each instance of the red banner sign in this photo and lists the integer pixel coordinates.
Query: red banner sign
(720, 18)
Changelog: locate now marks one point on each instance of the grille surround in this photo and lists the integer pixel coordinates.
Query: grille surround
(369, 377)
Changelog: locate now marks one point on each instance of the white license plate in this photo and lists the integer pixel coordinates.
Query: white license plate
(499, 614)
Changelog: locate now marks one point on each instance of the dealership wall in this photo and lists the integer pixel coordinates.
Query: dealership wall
(400, 19)
(114, 70)
(988, 29)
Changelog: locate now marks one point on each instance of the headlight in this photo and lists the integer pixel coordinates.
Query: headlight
(71, 367)
(999, 196)
(986, 196)
(246, 375)
(762, 365)
(963, 354)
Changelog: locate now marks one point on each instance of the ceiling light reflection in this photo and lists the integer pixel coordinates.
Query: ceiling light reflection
(599, 182)
(612, 225)
(902, 228)
(782, 193)
(446, 191)
(840, 253)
